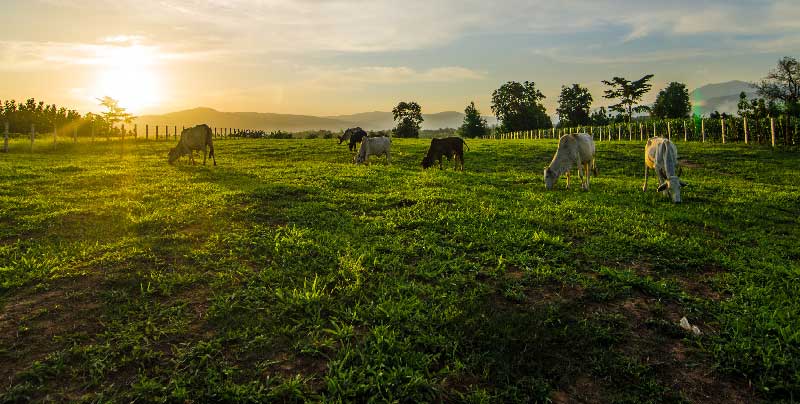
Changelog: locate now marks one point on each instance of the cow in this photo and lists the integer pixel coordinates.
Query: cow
(355, 135)
(374, 146)
(447, 147)
(575, 149)
(196, 138)
(661, 155)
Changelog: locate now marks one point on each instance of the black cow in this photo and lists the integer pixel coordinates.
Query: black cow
(447, 147)
(356, 135)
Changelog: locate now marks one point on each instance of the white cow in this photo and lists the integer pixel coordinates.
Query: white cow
(573, 150)
(374, 146)
(661, 155)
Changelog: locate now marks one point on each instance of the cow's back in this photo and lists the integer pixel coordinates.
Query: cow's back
(197, 137)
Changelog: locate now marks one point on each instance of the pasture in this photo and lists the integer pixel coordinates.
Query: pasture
(288, 274)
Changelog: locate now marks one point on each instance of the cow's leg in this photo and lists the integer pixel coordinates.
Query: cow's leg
(586, 168)
(568, 175)
(388, 158)
(191, 156)
(644, 186)
(440, 163)
(461, 160)
(205, 153)
(579, 165)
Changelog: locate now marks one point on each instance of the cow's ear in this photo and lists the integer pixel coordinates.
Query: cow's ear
(662, 187)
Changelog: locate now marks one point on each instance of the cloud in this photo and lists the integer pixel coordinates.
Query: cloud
(330, 78)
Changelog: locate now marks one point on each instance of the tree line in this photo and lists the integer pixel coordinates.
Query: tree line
(518, 106)
(22, 116)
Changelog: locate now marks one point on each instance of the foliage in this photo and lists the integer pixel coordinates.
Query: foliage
(409, 119)
(573, 106)
(474, 125)
(115, 113)
(600, 117)
(672, 102)
(518, 107)
(628, 93)
(782, 84)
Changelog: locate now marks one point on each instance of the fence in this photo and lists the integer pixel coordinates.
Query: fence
(780, 131)
(151, 132)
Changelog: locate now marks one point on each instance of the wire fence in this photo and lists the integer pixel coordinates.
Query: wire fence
(781, 131)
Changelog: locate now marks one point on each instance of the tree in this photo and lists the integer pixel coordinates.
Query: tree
(573, 106)
(518, 106)
(629, 93)
(600, 117)
(409, 117)
(672, 102)
(474, 125)
(782, 84)
(115, 113)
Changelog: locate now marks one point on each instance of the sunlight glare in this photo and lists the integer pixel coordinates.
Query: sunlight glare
(129, 77)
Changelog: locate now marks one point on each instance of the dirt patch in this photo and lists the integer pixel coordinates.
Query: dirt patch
(690, 164)
(36, 322)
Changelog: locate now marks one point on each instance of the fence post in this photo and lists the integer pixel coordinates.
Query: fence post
(33, 134)
(156, 132)
(175, 132)
(772, 129)
(75, 134)
(135, 131)
(746, 137)
(723, 130)
(619, 133)
(703, 128)
(630, 135)
(166, 132)
(146, 131)
(123, 132)
(654, 129)
(684, 131)
(669, 131)
(641, 132)
(5, 139)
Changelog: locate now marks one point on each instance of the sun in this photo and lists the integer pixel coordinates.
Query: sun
(128, 75)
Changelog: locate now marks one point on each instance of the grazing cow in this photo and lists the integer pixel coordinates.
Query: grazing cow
(196, 138)
(662, 156)
(573, 150)
(355, 135)
(374, 146)
(447, 147)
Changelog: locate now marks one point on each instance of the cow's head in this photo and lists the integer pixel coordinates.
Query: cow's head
(673, 186)
(549, 178)
(173, 155)
(427, 161)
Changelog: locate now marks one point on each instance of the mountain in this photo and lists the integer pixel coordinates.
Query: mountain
(722, 97)
(376, 120)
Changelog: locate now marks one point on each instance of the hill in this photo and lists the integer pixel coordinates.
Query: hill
(722, 97)
(376, 120)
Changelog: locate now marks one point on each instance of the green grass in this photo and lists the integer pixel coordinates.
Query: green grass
(288, 274)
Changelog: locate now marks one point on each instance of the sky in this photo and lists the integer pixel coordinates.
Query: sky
(332, 57)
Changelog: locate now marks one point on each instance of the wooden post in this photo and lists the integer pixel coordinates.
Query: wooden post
(685, 137)
(135, 131)
(33, 135)
(772, 129)
(746, 135)
(669, 131)
(215, 132)
(619, 133)
(146, 131)
(703, 128)
(723, 130)
(123, 132)
(5, 139)
(654, 129)
(630, 135)
(175, 132)
(156, 132)
(166, 132)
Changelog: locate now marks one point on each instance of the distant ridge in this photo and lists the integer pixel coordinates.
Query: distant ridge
(722, 97)
(376, 120)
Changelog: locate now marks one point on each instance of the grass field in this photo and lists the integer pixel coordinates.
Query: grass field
(288, 274)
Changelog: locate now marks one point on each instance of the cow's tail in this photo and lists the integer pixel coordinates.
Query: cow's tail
(465, 143)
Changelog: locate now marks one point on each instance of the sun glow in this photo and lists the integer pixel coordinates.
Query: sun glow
(128, 75)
